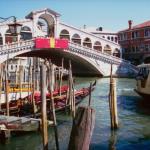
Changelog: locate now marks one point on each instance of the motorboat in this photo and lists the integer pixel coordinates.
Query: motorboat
(143, 81)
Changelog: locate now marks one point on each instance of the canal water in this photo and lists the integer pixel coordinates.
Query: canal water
(134, 121)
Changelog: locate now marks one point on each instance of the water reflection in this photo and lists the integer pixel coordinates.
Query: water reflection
(113, 140)
(134, 121)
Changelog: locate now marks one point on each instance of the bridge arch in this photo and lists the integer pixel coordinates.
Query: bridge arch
(46, 23)
(76, 38)
(26, 33)
(87, 42)
(107, 49)
(97, 46)
(64, 34)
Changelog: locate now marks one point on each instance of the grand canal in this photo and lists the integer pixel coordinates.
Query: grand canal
(134, 121)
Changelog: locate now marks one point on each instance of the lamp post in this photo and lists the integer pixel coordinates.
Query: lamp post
(14, 27)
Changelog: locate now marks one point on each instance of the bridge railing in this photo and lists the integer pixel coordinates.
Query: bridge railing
(114, 59)
(16, 45)
(98, 52)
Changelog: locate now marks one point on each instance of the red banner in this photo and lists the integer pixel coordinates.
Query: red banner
(51, 43)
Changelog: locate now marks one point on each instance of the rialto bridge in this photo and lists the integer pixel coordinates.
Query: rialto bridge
(90, 54)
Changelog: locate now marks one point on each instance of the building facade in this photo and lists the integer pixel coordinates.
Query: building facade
(135, 42)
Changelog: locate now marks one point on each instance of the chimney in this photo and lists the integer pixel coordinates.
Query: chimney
(130, 24)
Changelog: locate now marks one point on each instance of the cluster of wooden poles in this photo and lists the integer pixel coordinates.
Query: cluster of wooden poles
(70, 100)
(48, 82)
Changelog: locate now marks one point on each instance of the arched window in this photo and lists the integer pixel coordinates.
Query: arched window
(11, 67)
(116, 39)
(64, 34)
(107, 49)
(87, 42)
(108, 38)
(1, 39)
(46, 25)
(97, 46)
(25, 29)
(116, 52)
(112, 38)
(76, 39)
(26, 33)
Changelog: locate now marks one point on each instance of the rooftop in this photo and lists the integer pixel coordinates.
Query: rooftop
(144, 24)
(30, 15)
(141, 25)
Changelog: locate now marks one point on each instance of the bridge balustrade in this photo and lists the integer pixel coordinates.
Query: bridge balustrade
(99, 55)
(16, 46)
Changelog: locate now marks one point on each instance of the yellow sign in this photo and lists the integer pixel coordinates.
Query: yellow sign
(52, 42)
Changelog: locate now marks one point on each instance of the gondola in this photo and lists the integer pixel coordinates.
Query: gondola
(24, 107)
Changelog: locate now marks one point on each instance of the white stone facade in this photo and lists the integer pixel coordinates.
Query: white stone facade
(55, 28)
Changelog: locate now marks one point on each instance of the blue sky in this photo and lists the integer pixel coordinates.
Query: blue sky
(110, 14)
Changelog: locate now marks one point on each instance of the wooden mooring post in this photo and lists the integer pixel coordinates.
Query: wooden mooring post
(29, 77)
(33, 90)
(83, 125)
(61, 75)
(6, 134)
(1, 80)
(50, 78)
(44, 110)
(6, 89)
(82, 129)
(113, 103)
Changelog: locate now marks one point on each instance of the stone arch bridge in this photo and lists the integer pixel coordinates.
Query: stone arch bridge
(85, 60)
(90, 54)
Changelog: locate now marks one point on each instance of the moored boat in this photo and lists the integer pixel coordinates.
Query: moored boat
(60, 102)
(23, 107)
(23, 124)
(143, 81)
(16, 102)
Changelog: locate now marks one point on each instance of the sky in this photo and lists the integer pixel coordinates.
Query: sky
(110, 14)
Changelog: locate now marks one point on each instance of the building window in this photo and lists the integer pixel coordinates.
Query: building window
(135, 34)
(11, 67)
(147, 47)
(147, 32)
(137, 49)
(120, 37)
(124, 36)
(133, 49)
